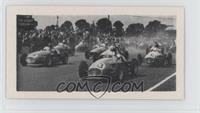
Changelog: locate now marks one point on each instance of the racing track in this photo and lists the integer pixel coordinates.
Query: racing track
(47, 78)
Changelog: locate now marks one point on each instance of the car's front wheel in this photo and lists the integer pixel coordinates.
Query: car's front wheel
(23, 59)
(121, 75)
(169, 59)
(134, 66)
(83, 69)
(87, 54)
(49, 61)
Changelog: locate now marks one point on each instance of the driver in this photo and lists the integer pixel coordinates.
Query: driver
(118, 53)
(156, 47)
(48, 47)
(51, 49)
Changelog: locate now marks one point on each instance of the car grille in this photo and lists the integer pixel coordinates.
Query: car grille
(94, 72)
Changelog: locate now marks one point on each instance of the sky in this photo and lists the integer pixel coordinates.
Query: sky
(44, 21)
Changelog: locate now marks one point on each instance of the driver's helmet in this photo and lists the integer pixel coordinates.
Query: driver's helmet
(60, 44)
(155, 49)
(118, 55)
(156, 44)
(64, 41)
(47, 48)
(102, 45)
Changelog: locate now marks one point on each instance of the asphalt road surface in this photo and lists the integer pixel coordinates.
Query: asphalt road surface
(48, 78)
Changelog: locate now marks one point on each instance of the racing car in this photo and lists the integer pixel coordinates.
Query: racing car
(157, 57)
(81, 46)
(116, 66)
(95, 52)
(111, 52)
(46, 56)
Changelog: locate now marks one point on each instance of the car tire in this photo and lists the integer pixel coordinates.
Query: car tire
(95, 57)
(160, 61)
(134, 66)
(83, 69)
(23, 59)
(87, 54)
(169, 59)
(147, 50)
(49, 62)
(119, 73)
(140, 59)
(120, 76)
(126, 55)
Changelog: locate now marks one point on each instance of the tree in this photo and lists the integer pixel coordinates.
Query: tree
(134, 29)
(104, 25)
(82, 26)
(154, 27)
(67, 26)
(118, 31)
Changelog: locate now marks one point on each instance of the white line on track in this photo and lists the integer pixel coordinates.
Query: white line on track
(161, 82)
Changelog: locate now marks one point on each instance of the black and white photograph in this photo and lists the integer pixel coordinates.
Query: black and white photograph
(98, 54)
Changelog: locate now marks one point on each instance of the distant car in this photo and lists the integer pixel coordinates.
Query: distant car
(46, 56)
(156, 56)
(115, 66)
(81, 46)
(95, 52)
(111, 52)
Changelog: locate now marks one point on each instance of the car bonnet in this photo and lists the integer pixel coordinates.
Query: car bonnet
(152, 54)
(107, 53)
(101, 63)
(39, 53)
(98, 49)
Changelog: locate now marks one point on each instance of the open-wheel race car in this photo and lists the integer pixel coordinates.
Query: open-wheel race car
(95, 52)
(156, 56)
(46, 56)
(116, 66)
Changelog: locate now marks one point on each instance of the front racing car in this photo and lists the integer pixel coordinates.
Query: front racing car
(95, 52)
(114, 66)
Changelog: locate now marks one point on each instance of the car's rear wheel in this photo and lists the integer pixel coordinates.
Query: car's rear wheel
(160, 60)
(87, 54)
(169, 59)
(23, 59)
(126, 55)
(49, 62)
(134, 67)
(83, 69)
(121, 75)
(140, 59)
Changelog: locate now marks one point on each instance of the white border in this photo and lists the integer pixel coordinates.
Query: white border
(12, 11)
(189, 105)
